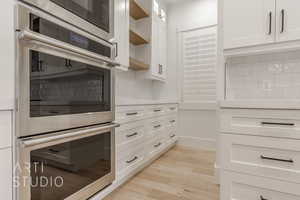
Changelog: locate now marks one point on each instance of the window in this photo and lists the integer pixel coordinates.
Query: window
(198, 52)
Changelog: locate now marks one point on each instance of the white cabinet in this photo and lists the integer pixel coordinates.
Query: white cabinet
(257, 22)
(249, 22)
(5, 129)
(6, 174)
(159, 47)
(7, 56)
(288, 24)
(245, 187)
(122, 32)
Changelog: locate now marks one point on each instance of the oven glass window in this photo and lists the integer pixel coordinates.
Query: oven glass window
(60, 86)
(50, 29)
(96, 12)
(59, 171)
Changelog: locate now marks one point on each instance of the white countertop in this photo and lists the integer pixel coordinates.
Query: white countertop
(127, 102)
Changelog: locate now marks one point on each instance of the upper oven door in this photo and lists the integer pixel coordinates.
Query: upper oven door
(93, 16)
(58, 90)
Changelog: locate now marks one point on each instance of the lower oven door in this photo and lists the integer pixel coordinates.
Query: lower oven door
(58, 89)
(71, 165)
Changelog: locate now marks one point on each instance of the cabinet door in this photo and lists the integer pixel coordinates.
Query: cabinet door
(162, 49)
(6, 174)
(288, 23)
(155, 46)
(122, 31)
(247, 23)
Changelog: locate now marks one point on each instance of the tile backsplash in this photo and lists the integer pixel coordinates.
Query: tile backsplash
(264, 77)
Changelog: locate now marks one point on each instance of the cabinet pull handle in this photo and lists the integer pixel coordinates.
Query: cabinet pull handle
(116, 49)
(130, 114)
(276, 159)
(157, 145)
(160, 69)
(172, 121)
(277, 123)
(262, 198)
(270, 23)
(158, 110)
(131, 135)
(282, 20)
(157, 126)
(172, 136)
(172, 108)
(132, 160)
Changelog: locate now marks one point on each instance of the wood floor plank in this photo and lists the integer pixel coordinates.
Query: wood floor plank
(181, 174)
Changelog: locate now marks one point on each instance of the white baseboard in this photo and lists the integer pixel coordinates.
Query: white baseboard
(200, 143)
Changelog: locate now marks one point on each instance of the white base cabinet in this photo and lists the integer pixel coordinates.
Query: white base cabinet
(146, 132)
(6, 174)
(237, 186)
(260, 154)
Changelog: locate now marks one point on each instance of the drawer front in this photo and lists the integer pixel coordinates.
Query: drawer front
(156, 124)
(171, 121)
(270, 157)
(134, 157)
(128, 133)
(126, 114)
(273, 123)
(171, 109)
(5, 129)
(236, 186)
(155, 111)
(172, 136)
(155, 146)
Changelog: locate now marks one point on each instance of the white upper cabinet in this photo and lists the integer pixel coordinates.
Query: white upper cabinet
(248, 22)
(159, 43)
(122, 32)
(259, 22)
(288, 23)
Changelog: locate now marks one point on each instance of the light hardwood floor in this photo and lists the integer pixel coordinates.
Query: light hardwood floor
(180, 174)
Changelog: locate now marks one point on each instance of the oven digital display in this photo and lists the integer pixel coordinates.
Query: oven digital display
(50, 29)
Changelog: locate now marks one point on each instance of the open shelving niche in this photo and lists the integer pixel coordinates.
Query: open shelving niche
(140, 35)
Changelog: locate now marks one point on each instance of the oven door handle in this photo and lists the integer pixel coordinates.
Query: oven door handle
(29, 35)
(67, 135)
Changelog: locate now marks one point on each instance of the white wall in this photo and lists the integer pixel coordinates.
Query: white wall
(196, 127)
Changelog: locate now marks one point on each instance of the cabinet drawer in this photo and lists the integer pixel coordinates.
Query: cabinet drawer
(172, 135)
(236, 186)
(128, 133)
(126, 114)
(274, 123)
(171, 109)
(155, 146)
(134, 157)
(5, 129)
(171, 121)
(270, 157)
(155, 111)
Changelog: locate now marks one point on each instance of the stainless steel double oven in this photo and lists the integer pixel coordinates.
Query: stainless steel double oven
(65, 98)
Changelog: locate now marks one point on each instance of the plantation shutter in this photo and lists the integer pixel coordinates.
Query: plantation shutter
(199, 60)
